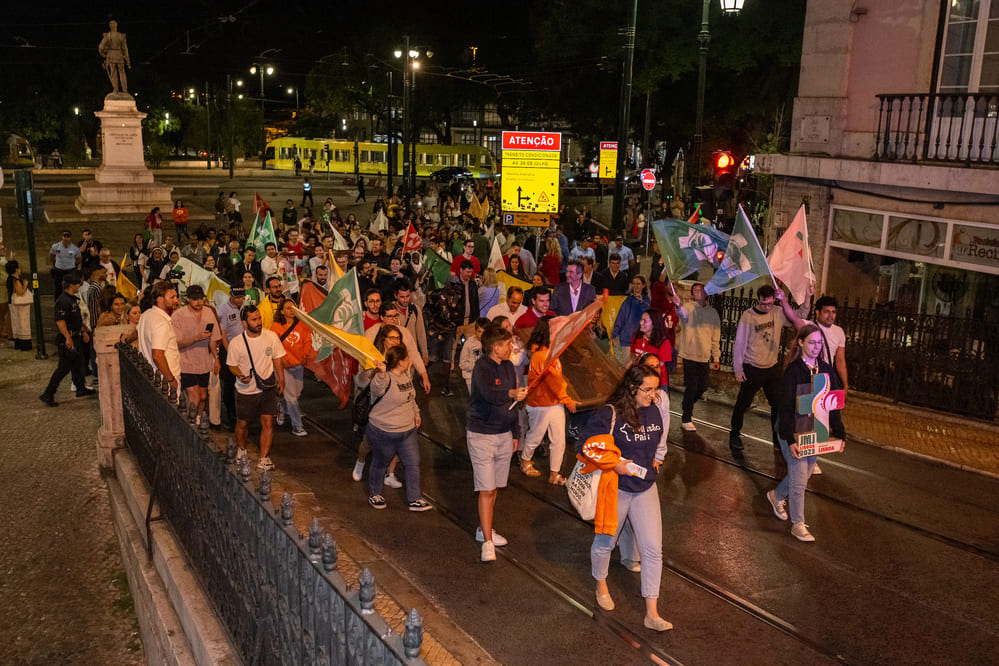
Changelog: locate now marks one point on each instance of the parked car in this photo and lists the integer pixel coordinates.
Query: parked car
(447, 174)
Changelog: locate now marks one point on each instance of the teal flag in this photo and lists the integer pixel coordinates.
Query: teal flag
(341, 309)
(744, 259)
(439, 269)
(262, 233)
(684, 246)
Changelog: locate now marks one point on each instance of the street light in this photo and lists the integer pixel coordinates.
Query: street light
(731, 8)
(293, 89)
(412, 64)
(261, 69)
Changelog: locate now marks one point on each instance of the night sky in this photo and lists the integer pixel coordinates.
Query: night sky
(192, 41)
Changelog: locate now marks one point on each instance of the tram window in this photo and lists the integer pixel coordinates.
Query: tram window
(341, 155)
(376, 156)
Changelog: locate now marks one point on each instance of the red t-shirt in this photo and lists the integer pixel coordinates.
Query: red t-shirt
(370, 321)
(530, 318)
(550, 267)
(456, 264)
(640, 346)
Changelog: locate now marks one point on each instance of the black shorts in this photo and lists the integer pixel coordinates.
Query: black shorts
(250, 406)
(187, 380)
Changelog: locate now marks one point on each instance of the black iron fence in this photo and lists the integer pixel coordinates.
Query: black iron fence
(936, 361)
(938, 128)
(276, 591)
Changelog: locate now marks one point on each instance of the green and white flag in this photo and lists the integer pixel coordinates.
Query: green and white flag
(341, 309)
(744, 259)
(440, 270)
(262, 233)
(684, 246)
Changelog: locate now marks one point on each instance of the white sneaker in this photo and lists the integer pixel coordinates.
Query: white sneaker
(815, 469)
(498, 538)
(488, 552)
(358, 470)
(279, 419)
(688, 426)
(777, 506)
(800, 532)
(299, 432)
(392, 482)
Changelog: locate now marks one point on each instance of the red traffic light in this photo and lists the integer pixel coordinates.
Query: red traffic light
(723, 161)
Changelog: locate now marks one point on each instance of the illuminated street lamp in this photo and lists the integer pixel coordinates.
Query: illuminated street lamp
(261, 69)
(729, 7)
(412, 54)
(293, 89)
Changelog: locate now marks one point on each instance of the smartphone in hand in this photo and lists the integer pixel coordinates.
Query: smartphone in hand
(210, 327)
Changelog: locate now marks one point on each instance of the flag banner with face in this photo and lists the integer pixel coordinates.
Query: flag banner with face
(336, 370)
(744, 259)
(413, 241)
(341, 309)
(791, 260)
(262, 233)
(440, 270)
(684, 246)
(260, 206)
(563, 331)
(496, 256)
(505, 280)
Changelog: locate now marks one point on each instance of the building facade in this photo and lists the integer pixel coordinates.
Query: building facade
(894, 153)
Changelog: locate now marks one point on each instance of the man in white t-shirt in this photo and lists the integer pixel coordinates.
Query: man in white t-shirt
(834, 338)
(157, 339)
(255, 358)
(512, 308)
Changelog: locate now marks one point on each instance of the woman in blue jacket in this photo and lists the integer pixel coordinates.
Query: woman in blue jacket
(629, 316)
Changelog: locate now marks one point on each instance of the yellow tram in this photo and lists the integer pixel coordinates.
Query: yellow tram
(372, 158)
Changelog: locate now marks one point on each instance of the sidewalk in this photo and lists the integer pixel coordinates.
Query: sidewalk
(64, 591)
(952, 440)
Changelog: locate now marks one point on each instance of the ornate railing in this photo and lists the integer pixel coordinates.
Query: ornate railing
(946, 363)
(938, 128)
(277, 592)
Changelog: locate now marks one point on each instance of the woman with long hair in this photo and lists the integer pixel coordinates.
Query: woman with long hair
(252, 296)
(551, 263)
(544, 406)
(388, 336)
(113, 309)
(516, 267)
(623, 438)
(392, 428)
(154, 224)
(629, 315)
(180, 217)
(802, 364)
(652, 338)
(137, 252)
(19, 297)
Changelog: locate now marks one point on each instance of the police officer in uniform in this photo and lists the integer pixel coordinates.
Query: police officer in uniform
(70, 342)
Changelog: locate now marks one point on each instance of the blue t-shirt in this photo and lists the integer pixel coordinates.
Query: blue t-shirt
(639, 447)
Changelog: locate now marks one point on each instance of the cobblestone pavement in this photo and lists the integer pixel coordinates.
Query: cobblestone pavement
(63, 590)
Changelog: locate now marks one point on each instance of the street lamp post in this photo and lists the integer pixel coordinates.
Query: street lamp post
(617, 211)
(704, 38)
(411, 55)
(263, 145)
(294, 89)
(390, 155)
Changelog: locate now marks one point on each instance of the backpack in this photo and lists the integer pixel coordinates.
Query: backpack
(363, 405)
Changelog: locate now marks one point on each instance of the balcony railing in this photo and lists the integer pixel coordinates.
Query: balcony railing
(938, 128)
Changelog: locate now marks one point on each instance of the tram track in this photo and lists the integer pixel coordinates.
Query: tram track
(923, 531)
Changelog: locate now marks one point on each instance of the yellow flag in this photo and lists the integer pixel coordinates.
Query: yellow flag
(505, 280)
(335, 267)
(355, 346)
(126, 288)
(609, 314)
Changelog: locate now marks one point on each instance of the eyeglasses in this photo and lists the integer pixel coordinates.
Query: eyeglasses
(393, 337)
(391, 315)
(648, 390)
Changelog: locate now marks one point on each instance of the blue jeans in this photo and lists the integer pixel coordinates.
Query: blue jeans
(384, 445)
(646, 520)
(294, 376)
(792, 486)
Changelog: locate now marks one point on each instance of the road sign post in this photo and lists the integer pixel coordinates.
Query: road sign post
(608, 160)
(529, 188)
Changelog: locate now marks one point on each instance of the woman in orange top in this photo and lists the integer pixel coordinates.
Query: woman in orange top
(297, 340)
(544, 406)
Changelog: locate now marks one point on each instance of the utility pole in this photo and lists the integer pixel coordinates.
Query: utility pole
(390, 161)
(617, 215)
(208, 127)
(232, 139)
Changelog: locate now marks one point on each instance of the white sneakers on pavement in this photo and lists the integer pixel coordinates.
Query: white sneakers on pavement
(777, 505)
(488, 552)
(358, 470)
(498, 538)
(800, 532)
(392, 482)
(688, 426)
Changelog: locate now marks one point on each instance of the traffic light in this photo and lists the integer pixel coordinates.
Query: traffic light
(723, 166)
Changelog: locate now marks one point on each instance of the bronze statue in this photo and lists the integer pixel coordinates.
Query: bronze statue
(114, 50)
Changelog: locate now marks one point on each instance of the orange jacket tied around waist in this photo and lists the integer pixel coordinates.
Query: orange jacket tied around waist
(600, 452)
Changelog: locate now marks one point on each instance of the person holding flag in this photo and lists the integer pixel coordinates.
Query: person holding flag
(700, 343)
(754, 359)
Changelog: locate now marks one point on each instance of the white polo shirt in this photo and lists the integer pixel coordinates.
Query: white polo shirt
(155, 331)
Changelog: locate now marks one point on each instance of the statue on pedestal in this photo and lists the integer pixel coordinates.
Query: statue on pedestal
(114, 50)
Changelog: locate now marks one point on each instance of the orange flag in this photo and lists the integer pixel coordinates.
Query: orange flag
(336, 370)
(696, 217)
(565, 329)
(260, 206)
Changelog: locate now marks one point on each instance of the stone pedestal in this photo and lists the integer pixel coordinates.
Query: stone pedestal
(122, 184)
(111, 434)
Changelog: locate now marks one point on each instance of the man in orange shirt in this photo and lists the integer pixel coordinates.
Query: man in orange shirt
(296, 338)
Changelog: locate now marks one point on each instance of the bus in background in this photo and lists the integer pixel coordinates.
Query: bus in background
(372, 158)
(18, 153)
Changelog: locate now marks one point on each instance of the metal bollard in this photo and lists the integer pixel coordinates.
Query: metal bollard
(287, 510)
(329, 553)
(230, 451)
(244, 469)
(412, 639)
(264, 488)
(366, 595)
(315, 540)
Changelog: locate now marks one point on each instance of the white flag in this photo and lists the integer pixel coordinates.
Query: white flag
(791, 261)
(496, 256)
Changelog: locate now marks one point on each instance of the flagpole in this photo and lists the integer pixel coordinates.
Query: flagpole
(757, 241)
